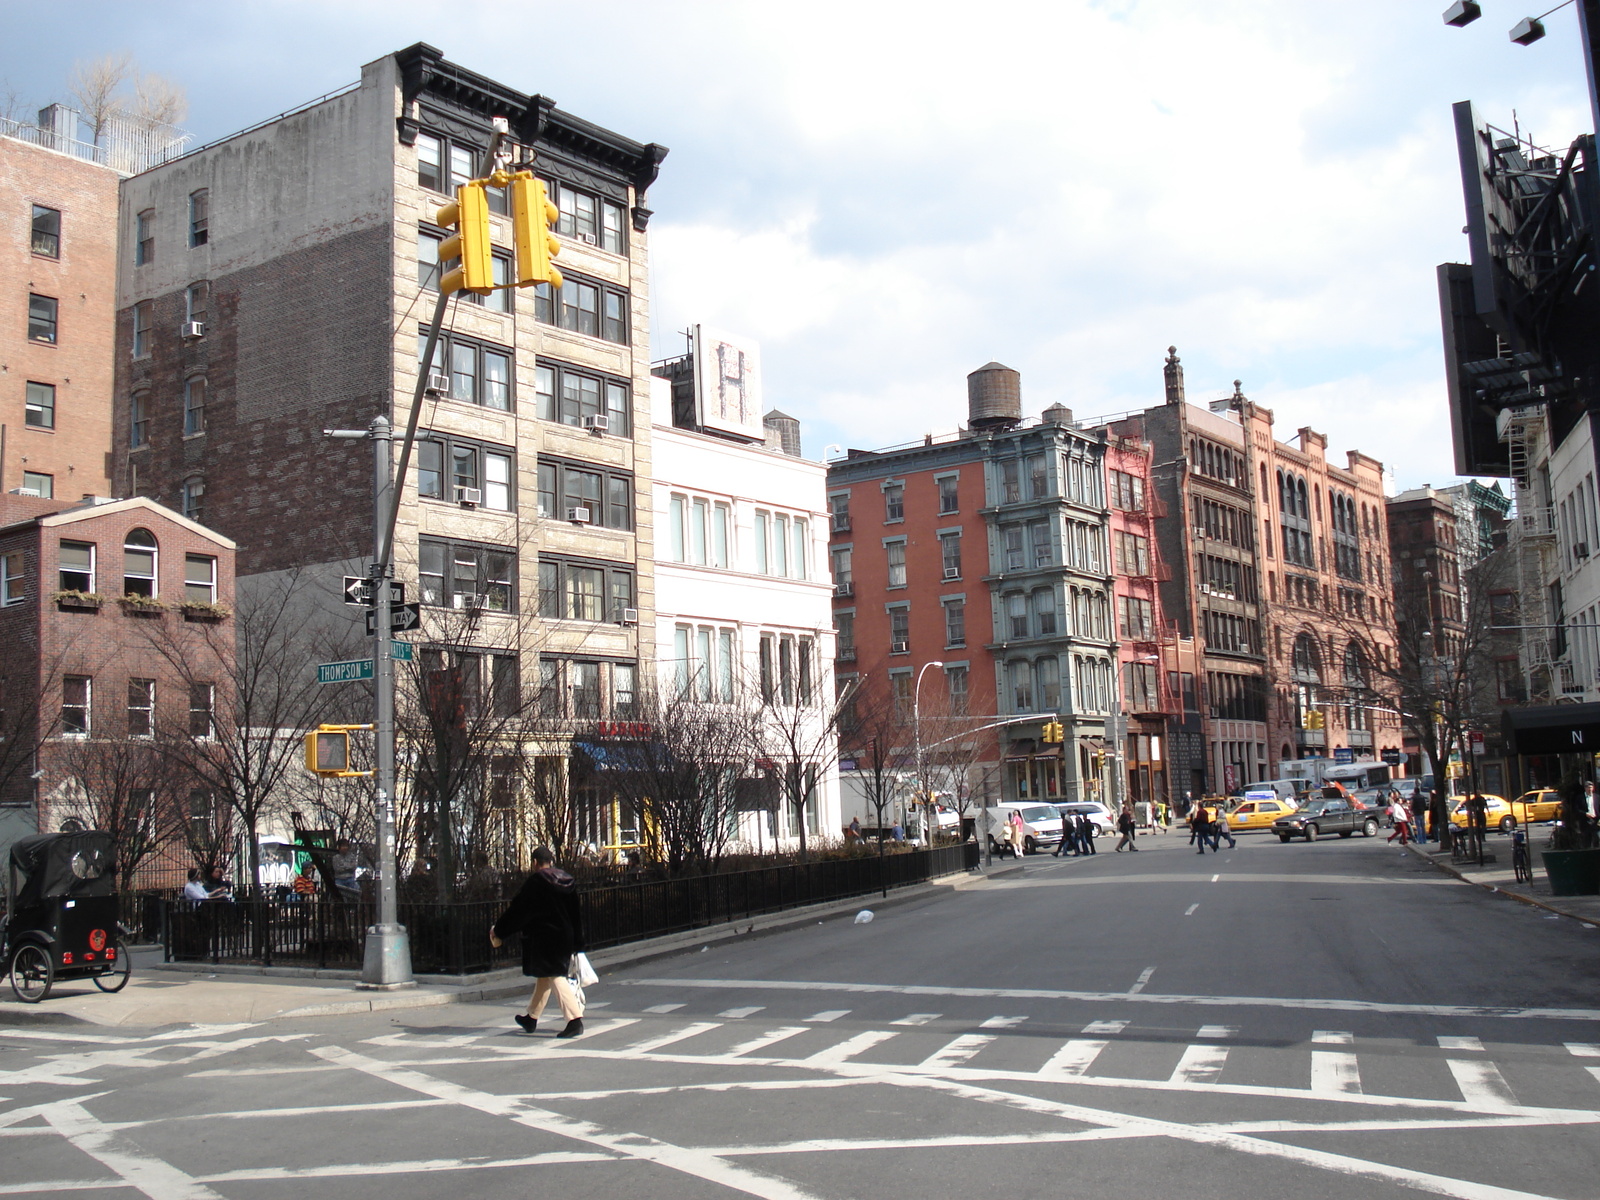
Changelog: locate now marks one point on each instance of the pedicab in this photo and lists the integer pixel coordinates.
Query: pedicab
(61, 915)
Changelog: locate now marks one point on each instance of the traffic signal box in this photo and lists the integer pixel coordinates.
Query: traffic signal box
(468, 215)
(1316, 720)
(470, 246)
(1052, 731)
(327, 751)
(532, 215)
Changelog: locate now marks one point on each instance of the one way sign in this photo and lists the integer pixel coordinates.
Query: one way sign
(358, 590)
(401, 618)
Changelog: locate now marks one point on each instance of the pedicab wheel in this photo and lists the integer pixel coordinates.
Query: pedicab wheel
(116, 978)
(32, 973)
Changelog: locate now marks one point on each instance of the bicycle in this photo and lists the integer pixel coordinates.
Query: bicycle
(1521, 867)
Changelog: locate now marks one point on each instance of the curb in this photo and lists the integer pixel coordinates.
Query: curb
(1530, 901)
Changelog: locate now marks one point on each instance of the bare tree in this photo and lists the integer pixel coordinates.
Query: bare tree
(95, 84)
(158, 100)
(796, 734)
(126, 787)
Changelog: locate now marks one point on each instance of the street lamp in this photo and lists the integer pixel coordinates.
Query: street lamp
(916, 743)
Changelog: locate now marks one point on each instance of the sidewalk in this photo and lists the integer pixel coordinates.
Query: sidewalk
(1498, 877)
(194, 993)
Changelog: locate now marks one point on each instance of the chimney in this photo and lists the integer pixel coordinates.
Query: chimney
(1174, 375)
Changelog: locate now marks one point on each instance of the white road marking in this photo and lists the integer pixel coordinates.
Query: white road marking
(771, 1038)
(136, 1168)
(1001, 1022)
(695, 1163)
(1105, 1026)
(739, 1014)
(1335, 1071)
(1332, 1037)
(1200, 1064)
(1286, 1002)
(1214, 878)
(829, 1014)
(848, 1048)
(677, 1035)
(1189, 912)
(1073, 1059)
(917, 1019)
(1470, 1044)
(663, 1009)
(1481, 1083)
(956, 1051)
(1217, 1031)
(1584, 1049)
(1144, 978)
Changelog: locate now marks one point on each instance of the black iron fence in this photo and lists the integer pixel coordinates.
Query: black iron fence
(453, 939)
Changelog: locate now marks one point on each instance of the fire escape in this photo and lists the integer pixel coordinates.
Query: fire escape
(1523, 429)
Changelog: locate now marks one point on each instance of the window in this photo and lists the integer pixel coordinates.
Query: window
(1011, 542)
(950, 554)
(1010, 482)
(1047, 672)
(625, 689)
(1016, 615)
(895, 552)
(955, 622)
(199, 579)
(1021, 680)
(478, 373)
(39, 410)
(465, 575)
(428, 267)
(955, 679)
(76, 561)
(698, 531)
(949, 499)
(901, 684)
(197, 301)
(894, 502)
(46, 231)
(843, 581)
(844, 628)
(1139, 687)
(430, 270)
(1044, 612)
(607, 495)
(445, 464)
(588, 218)
(575, 590)
(1135, 619)
(199, 217)
(1133, 555)
(584, 306)
(1038, 477)
(443, 166)
(38, 484)
(568, 395)
(139, 564)
(144, 238)
(13, 588)
(191, 499)
(202, 710)
(141, 708)
(761, 523)
(42, 319)
(141, 329)
(1127, 491)
(76, 691)
(194, 406)
(839, 512)
(138, 420)
(899, 631)
(1043, 553)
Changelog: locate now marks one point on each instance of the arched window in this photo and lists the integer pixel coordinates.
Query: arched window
(139, 564)
(1306, 665)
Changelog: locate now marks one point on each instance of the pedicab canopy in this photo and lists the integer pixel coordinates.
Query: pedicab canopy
(61, 864)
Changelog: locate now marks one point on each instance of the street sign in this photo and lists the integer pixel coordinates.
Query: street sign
(358, 591)
(1477, 742)
(345, 672)
(400, 651)
(1392, 757)
(402, 617)
(1343, 754)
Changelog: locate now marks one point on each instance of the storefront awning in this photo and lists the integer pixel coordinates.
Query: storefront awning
(1553, 729)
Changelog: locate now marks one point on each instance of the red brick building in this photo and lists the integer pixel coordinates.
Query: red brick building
(96, 603)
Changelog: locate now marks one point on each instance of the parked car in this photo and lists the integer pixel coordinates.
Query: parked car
(1258, 813)
(1323, 815)
(1041, 825)
(1541, 804)
(1099, 819)
(1505, 815)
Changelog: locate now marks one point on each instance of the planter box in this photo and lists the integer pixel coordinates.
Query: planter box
(1573, 872)
(73, 604)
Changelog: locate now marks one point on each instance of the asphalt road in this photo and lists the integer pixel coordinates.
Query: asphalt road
(1332, 1020)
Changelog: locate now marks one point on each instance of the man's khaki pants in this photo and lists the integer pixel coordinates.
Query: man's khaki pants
(543, 986)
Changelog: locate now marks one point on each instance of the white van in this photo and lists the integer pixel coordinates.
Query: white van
(1041, 825)
(1292, 790)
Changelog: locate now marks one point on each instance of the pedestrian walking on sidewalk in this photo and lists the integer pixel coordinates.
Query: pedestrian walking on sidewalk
(1197, 828)
(1221, 829)
(1419, 816)
(1128, 828)
(547, 915)
(1401, 818)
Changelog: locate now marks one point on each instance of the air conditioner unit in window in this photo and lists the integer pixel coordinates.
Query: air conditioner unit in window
(625, 616)
(25, 492)
(847, 654)
(952, 572)
(899, 647)
(194, 329)
(847, 588)
(579, 516)
(469, 497)
(597, 423)
(472, 602)
(438, 382)
(585, 237)
(1580, 550)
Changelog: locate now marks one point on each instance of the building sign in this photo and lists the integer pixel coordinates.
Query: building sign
(1343, 754)
(622, 729)
(727, 381)
(1392, 757)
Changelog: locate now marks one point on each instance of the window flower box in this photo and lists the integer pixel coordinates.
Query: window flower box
(77, 601)
(200, 610)
(135, 605)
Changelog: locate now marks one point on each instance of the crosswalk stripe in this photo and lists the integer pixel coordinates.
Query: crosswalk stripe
(1470, 1044)
(678, 1035)
(829, 1014)
(848, 1048)
(917, 1019)
(1075, 1058)
(958, 1050)
(1200, 1064)
(1105, 1027)
(1335, 1071)
(1002, 1022)
(1332, 1037)
(739, 1014)
(770, 1038)
(1583, 1049)
(1217, 1031)
(1481, 1083)
(663, 1009)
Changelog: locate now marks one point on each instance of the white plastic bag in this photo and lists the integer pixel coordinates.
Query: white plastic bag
(583, 972)
(864, 916)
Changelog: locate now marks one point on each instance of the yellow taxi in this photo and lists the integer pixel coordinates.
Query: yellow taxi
(1258, 814)
(1542, 804)
(1498, 812)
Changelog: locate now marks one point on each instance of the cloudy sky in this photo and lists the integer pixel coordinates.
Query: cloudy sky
(890, 194)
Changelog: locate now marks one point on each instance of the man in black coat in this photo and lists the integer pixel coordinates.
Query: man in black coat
(547, 915)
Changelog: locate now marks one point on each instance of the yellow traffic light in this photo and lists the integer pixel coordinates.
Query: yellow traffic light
(468, 214)
(532, 215)
(1052, 731)
(328, 752)
(1315, 719)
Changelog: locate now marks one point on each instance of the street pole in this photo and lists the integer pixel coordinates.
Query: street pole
(916, 744)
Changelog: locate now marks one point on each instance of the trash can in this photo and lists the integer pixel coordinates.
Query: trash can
(1573, 872)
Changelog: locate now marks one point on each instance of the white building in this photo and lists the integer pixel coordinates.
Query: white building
(743, 595)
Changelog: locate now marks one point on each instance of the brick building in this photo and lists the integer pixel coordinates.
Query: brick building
(96, 602)
(58, 239)
(276, 283)
(986, 551)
